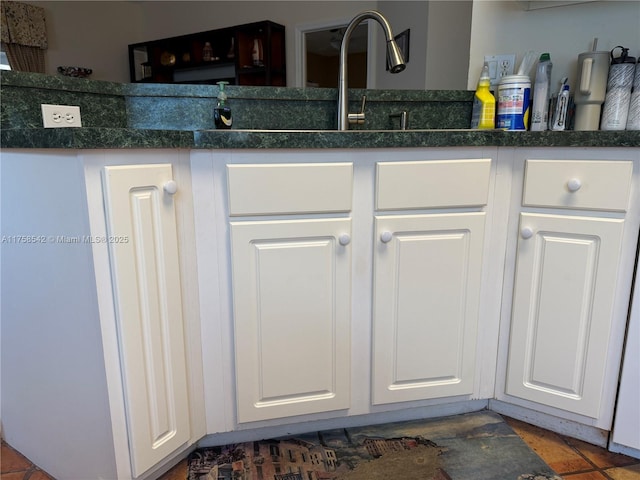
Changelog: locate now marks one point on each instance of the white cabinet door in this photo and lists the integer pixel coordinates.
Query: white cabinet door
(426, 302)
(143, 247)
(292, 304)
(566, 270)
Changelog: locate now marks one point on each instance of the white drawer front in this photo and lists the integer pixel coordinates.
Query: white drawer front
(432, 184)
(272, 189)
(578, 184)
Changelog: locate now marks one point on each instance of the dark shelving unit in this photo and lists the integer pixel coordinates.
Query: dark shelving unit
(249, 54)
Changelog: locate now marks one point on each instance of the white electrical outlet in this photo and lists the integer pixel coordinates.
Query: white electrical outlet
(60, 116)
(500, 66)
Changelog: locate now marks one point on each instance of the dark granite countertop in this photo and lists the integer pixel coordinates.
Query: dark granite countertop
(410, 138)
(130, 116)
(114, 138)
(92, 138)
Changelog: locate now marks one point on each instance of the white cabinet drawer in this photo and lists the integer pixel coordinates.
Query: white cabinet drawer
(432, 184)
(578, 184)
(290, 188)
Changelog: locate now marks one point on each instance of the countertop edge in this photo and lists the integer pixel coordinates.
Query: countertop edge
(127, 138)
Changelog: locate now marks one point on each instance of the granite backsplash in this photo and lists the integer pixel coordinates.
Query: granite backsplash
(190, 107)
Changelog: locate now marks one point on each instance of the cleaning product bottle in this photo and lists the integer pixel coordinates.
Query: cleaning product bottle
(222, 112)
(540, 110)
(483, 115)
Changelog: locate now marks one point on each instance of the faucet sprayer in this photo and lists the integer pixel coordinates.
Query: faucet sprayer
(395, 61)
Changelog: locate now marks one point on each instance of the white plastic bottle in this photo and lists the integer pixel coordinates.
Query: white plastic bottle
(540, 110)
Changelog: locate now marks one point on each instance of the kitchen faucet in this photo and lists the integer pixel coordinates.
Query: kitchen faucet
(394, 60)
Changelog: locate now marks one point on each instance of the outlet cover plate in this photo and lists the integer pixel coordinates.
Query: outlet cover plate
(500, 66)
(60, 116)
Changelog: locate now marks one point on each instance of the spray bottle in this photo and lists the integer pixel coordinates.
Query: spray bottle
(484, 103)
(540, 110)
(222, 113)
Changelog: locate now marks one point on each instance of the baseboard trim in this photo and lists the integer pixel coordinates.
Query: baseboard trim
(275, 431)
(168, 463)
(623, 449)
(589, 434)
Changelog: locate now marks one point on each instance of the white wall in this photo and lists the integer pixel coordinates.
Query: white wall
(414, 16)
(96, 34)
(439, 44)
(448, 38)
(93, 35)
(565, 32)
(169, 18)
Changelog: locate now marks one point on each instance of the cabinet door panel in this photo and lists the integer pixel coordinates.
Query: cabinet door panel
(291, 288)
(427, 284)
(562, 310)
(143, 248)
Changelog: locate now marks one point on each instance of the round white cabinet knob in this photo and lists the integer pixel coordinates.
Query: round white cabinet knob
(385, 237)
(574, 184)
(171, 187)
(526, 232)
(344, 239)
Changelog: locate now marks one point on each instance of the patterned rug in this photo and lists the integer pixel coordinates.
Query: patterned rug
(474, 446)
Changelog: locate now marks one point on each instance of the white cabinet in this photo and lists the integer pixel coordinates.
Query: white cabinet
(427, 278)
(407, 279)
(291, 289)
(306, 286)
(291, 227)
(103, 304)
(575, 230)
(143, 244)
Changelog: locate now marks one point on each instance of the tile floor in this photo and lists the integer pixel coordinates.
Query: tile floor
(570, 458)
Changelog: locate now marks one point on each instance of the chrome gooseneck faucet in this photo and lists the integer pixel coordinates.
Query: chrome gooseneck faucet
(394, 60)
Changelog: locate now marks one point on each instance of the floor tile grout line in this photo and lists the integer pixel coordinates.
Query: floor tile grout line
(609, 477)
(606, 475)
(577, 450)
(582, 472)
(596, 468)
